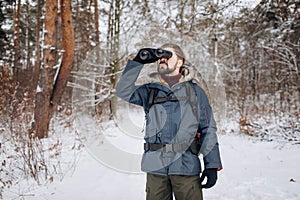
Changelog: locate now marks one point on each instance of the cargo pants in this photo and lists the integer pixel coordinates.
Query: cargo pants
(160, 187)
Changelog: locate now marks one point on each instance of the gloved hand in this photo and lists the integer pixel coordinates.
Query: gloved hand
(146, 55)
(211, 175)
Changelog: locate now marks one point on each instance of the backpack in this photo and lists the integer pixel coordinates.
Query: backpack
(192, 96)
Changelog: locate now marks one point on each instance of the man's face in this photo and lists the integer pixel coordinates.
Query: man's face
(169, 66)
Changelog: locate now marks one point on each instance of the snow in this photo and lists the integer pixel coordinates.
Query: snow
(39, 89)
(253, 169)
(233, 7)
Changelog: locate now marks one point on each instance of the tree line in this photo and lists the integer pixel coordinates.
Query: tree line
(44, 41)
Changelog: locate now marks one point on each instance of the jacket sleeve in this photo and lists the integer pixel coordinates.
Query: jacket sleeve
(127, 89)
(208, 129)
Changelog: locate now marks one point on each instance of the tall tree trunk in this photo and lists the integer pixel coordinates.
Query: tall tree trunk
(115, 54)
(113, 35)
(37, 44)
(68, 56)
(97, 22)
(27, 43)
(77, 35)
(17, 24)
(42, 105)
(116, 41)
(89, 26)
(110, 24)
(51, 91)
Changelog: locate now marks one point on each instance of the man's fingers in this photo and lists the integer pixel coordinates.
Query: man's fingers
(201, 178)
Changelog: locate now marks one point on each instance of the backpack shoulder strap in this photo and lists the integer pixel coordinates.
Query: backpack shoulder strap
(152, 95)
(192, 94)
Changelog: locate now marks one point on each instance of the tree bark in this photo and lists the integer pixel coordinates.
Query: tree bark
(51, 91)
(68, 56)
(42, 113)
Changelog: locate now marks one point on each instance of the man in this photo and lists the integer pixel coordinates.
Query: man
(179, 121)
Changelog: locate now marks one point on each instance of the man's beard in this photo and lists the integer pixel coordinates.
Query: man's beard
(165, 69)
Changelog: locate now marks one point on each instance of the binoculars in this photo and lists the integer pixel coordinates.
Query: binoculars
(159, 53)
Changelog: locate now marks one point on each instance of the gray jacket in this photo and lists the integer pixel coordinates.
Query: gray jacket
(173, 122)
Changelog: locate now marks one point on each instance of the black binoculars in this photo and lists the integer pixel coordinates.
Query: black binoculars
(159, 53)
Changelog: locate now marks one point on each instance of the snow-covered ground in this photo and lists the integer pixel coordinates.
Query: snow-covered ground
(253, 169)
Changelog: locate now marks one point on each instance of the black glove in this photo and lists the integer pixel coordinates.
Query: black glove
(211, 175)
(146, 55)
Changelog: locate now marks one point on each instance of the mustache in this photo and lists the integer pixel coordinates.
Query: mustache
(162, 62)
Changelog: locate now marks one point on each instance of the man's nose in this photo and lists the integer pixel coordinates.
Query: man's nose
(163, 60)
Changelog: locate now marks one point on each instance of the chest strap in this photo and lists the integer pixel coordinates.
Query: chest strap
(181, 147)
(190, 95)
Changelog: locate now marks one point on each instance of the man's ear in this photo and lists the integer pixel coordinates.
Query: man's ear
(179, 63)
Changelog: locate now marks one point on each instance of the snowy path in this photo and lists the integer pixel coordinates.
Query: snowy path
(252, 170)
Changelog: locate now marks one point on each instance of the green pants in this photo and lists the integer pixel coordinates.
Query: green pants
(160, 187)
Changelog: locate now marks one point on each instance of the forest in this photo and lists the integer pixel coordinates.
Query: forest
(61, 58)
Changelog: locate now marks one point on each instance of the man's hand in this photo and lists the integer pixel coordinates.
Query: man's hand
(211, 175)
(146, 55)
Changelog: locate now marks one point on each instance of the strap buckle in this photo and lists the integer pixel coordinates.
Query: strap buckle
(168, 147)
(146, 146)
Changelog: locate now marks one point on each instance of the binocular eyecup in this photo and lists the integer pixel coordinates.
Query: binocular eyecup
(159, 53)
